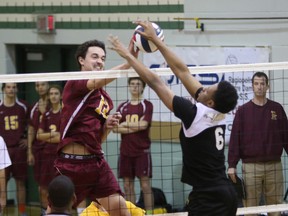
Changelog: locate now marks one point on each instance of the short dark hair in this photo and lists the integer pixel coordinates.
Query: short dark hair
(136, 78)
(60, 191)
(260, 74)
(225, 97)
(56, 86)
(83, 48)
(4, 85)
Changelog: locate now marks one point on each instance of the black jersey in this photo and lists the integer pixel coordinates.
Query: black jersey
(202, 138)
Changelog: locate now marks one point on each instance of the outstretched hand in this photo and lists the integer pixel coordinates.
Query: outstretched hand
(117, 46)
(149, 31)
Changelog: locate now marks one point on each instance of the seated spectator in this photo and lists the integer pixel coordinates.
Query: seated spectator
(95, 209)
(61, 196)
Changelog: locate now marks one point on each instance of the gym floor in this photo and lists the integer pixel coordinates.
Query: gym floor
(31, 210)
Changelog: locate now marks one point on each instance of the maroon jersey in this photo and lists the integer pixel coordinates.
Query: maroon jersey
(13, 122)
(83, 115)
(35, 116)
(35, 120)
(134, 144)
(259, 133)
(50, 122)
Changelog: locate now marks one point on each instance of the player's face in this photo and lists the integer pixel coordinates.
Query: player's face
(206, 95)
(136, 87)
(94, 59)
(41, 88)
(259, 86)
(10, 90)
(54, 96)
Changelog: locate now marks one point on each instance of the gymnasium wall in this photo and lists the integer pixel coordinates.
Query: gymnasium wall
(79, 20)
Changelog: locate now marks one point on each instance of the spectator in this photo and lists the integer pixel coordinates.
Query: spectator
(96, 209)
(135, 157)
(61, 196)
(258, 137)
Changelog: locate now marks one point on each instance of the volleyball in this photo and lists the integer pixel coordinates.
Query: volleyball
(144, 45)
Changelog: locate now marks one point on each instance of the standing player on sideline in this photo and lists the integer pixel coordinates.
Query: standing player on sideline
(5, 161)
(49, 132)
(202, 135)
(135, 156)
(14, 114)
(85, 124)
(35, 147)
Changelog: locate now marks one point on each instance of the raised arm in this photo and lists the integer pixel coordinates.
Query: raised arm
(99, 83)
(153, 80)
(178, 67)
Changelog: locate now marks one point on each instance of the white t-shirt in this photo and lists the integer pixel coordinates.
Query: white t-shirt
(5, 160)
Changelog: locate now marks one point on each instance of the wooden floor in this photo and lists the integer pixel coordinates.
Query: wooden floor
(35, 210)
(13, 211)
(30, 211)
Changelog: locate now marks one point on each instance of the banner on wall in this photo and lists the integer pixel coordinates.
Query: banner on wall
(207, 56)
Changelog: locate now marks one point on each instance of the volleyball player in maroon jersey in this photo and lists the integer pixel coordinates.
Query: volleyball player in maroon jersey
(135, 157)
(48, 132)
(38, 109)
(14, 114)
(35, 147)
(85, 123)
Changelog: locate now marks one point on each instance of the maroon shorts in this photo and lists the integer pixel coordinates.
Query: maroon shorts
(38, 157)
(19, 166)
(92, 177)
(48, 171)
(135, 166)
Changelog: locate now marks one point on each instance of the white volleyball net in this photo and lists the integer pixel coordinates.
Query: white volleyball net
(165, 148)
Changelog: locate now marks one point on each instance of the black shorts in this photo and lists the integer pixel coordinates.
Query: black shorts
(217, 200)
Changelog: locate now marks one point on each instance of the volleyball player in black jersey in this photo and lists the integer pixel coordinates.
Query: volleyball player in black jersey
(202, 135)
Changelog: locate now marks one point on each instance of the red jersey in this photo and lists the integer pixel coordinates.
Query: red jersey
(13, 122)
(83, 115)
(135, 144)
(50, 122)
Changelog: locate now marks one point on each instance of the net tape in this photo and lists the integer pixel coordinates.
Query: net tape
(244, 211)
(80, 75)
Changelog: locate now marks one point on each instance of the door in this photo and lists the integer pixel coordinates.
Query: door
(41, 59)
